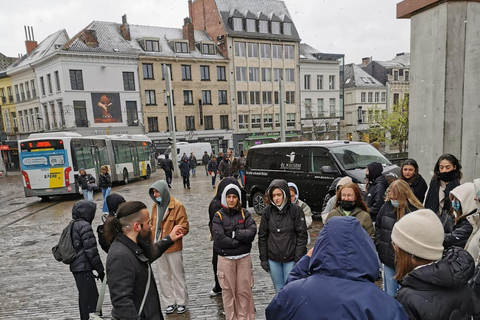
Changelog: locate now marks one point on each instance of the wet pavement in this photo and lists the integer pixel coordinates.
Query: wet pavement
(35, 286)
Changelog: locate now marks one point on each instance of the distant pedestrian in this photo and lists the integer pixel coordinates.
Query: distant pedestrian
(228, 166)
(212, 169)
(193, 163)
(184, 167)
(105, 184)
(87, 258)
(242, 162)
(376, 187)
(205, 161)
(167, 212)
(219, 158)
(409, 173)
(167, 166)
(85, 180)
(128, 262)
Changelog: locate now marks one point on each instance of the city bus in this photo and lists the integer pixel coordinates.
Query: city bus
(50, 161)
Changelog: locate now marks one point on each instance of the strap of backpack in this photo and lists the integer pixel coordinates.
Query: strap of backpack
(220, 215)
(101, 296)
(146, 290)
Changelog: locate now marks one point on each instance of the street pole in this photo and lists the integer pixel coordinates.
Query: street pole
(171, 115)
(282, 111)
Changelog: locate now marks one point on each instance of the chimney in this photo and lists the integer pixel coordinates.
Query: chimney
(188, 33)
(366, 61)
(190, 9)
(90, 38)
(30, 43)
(125, 28)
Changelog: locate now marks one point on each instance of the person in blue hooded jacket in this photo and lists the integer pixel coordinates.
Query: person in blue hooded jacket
(335, 280)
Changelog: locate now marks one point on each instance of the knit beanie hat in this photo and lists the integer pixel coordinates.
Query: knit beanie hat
(420, 233)
(344, 181)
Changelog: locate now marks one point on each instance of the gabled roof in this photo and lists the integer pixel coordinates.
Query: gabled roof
(249, 15)
(356, 77)
(310, 54)
(265, 6)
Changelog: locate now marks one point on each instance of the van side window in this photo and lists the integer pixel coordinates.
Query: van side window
(320, 157)
(284, 159)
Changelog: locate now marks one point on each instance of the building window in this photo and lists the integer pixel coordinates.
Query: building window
(252, 50)
(49, 81)
(128, 81)
(224, 122)
(181, 47)
(275, 27)
(267, 120)
(277, 74)
(289, 52)
(253, 74)
(150, 98)
(370, 97)
(263, 26)
(308, 108)
(27, 90)
(267, 97)
(206, 97)
(174, 123)
(132, 113)
(208, 122)
(407, 75)
(396, 97)
(57, 81)
(152, 45)
(276, 97)
(395, 75)
(186, 72)
(190, 123)
(265, 50)
(76, 80)
(363, 97)
(290, 97)
(242, 97)
(17, 93)
(331, 82)
(383, 96)
(250, 25)
(254, 97)
(204, 73)
(256, 120)
(222, 97)
(306, 80)
(266, 74)
(290, 75)
(22, 92)
(237, 24)
(221, 74)
(169, 66)
(377, 97)
(34, 91)
(320, 82)
(241, 73)
(152, 124)
(243, 122)
(287, 28)
(320, 109)
(208, 48)
(148, 70)
(290, 119)
(187, 97)
(332, 107)
(277, 51)
(239, 49)
(80, 111)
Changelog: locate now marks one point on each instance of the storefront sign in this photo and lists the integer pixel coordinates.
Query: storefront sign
(4, 147)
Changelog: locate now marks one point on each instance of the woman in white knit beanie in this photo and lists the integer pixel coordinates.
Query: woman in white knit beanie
(434, 284)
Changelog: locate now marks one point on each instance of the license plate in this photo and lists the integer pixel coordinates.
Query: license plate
(48, 190)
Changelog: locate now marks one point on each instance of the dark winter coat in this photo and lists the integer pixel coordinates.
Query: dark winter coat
(205, 159)
(84, 180)
(439, 291)
(105, 181)
(340, 288)
(386, 219)
(193, 161)
(184, 167)
(227, 168)
(432, 200)
(459, 233)
(167, 165)
(83, 238)
(223, 227)
(282, 236)
(212, 166)
(375, 197)
(127, 272)
(418, 186)
(242, 162)
(216, 203)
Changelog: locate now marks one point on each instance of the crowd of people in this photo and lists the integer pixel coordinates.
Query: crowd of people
(421, 240)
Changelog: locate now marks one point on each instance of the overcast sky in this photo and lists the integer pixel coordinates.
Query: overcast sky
(355, 28)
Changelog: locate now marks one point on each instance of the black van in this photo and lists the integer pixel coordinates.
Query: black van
(311, 165)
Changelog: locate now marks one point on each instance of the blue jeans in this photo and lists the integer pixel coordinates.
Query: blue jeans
(213, 180)
(105, 193)
(390, 285)
(194, 170)
(279, 272)
(241, 174)
(87, 195)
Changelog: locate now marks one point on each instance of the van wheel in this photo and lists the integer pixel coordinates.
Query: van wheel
(258, 203)
(149, 173)
(125, 177)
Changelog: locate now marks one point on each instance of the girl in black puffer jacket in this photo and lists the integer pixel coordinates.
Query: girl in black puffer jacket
(87, 258)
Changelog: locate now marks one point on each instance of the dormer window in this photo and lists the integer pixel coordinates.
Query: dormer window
(181, 47)
(208, 48)
(287, 28)
(152, 45)
(275, 27)
(237, 24)
(263, 26)
(250, 24)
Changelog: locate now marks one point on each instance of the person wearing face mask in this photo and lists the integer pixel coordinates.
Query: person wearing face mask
(447, 175)
(350, 203)
(282, 236)
(376, 186)
(409, 173)
(455, 223)
(400, 200)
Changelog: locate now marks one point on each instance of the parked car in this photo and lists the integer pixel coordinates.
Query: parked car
(312, 166)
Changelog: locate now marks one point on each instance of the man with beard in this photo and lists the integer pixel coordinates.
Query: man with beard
(128, 262)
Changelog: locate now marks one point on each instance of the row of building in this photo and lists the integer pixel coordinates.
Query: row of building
(226, 63)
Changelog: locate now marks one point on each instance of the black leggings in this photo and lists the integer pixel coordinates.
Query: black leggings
(87, 293)
(186, 181)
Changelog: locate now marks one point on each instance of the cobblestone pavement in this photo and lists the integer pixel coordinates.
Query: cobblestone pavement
(35, 286)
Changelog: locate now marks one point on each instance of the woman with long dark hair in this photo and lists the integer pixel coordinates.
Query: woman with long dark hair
(105, 184)
(409, 173)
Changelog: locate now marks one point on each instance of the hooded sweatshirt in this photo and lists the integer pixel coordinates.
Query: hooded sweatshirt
(216, 203)
(473, 242)
(306, 209)
(337, 282)
(114, 200)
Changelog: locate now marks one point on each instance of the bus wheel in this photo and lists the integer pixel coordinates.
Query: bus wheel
(258, 203)
(125, 177)
(44, 198)
(149, 173)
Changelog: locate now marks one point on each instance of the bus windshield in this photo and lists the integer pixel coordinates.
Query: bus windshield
(358, 156)
(43, 154)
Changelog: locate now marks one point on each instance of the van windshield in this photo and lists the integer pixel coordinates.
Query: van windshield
(358, 156)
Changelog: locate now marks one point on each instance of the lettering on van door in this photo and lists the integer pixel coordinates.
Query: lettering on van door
(291, 165)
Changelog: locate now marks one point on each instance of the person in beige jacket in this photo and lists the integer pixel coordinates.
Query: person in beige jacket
(168, 212)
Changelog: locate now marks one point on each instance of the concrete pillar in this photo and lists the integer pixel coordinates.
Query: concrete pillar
(444, 84)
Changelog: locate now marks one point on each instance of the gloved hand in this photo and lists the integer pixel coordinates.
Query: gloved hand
(265, 265)
(101, 276)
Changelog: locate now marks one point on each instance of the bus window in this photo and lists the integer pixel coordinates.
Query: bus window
(143, 153)
(83, 158)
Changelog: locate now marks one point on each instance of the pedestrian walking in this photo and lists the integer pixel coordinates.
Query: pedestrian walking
(233, 233)
(242, 162)
(350, 203)
(409, 173)
(228, 166)
(167, 166)
(213, 169)
(332, 200)
(335, 280)
(205, 161)
(400, 200)
(434, 282)
(193, 163)
(282, 237)
(184, 167)
(129, 259)
(294, 198)
(376, 187)
(87, 258)
(84, 181)
(105, 184)
(168, 212)
(219, 158)
(447, 175)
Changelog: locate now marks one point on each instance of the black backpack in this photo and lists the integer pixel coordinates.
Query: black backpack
(64, 250)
